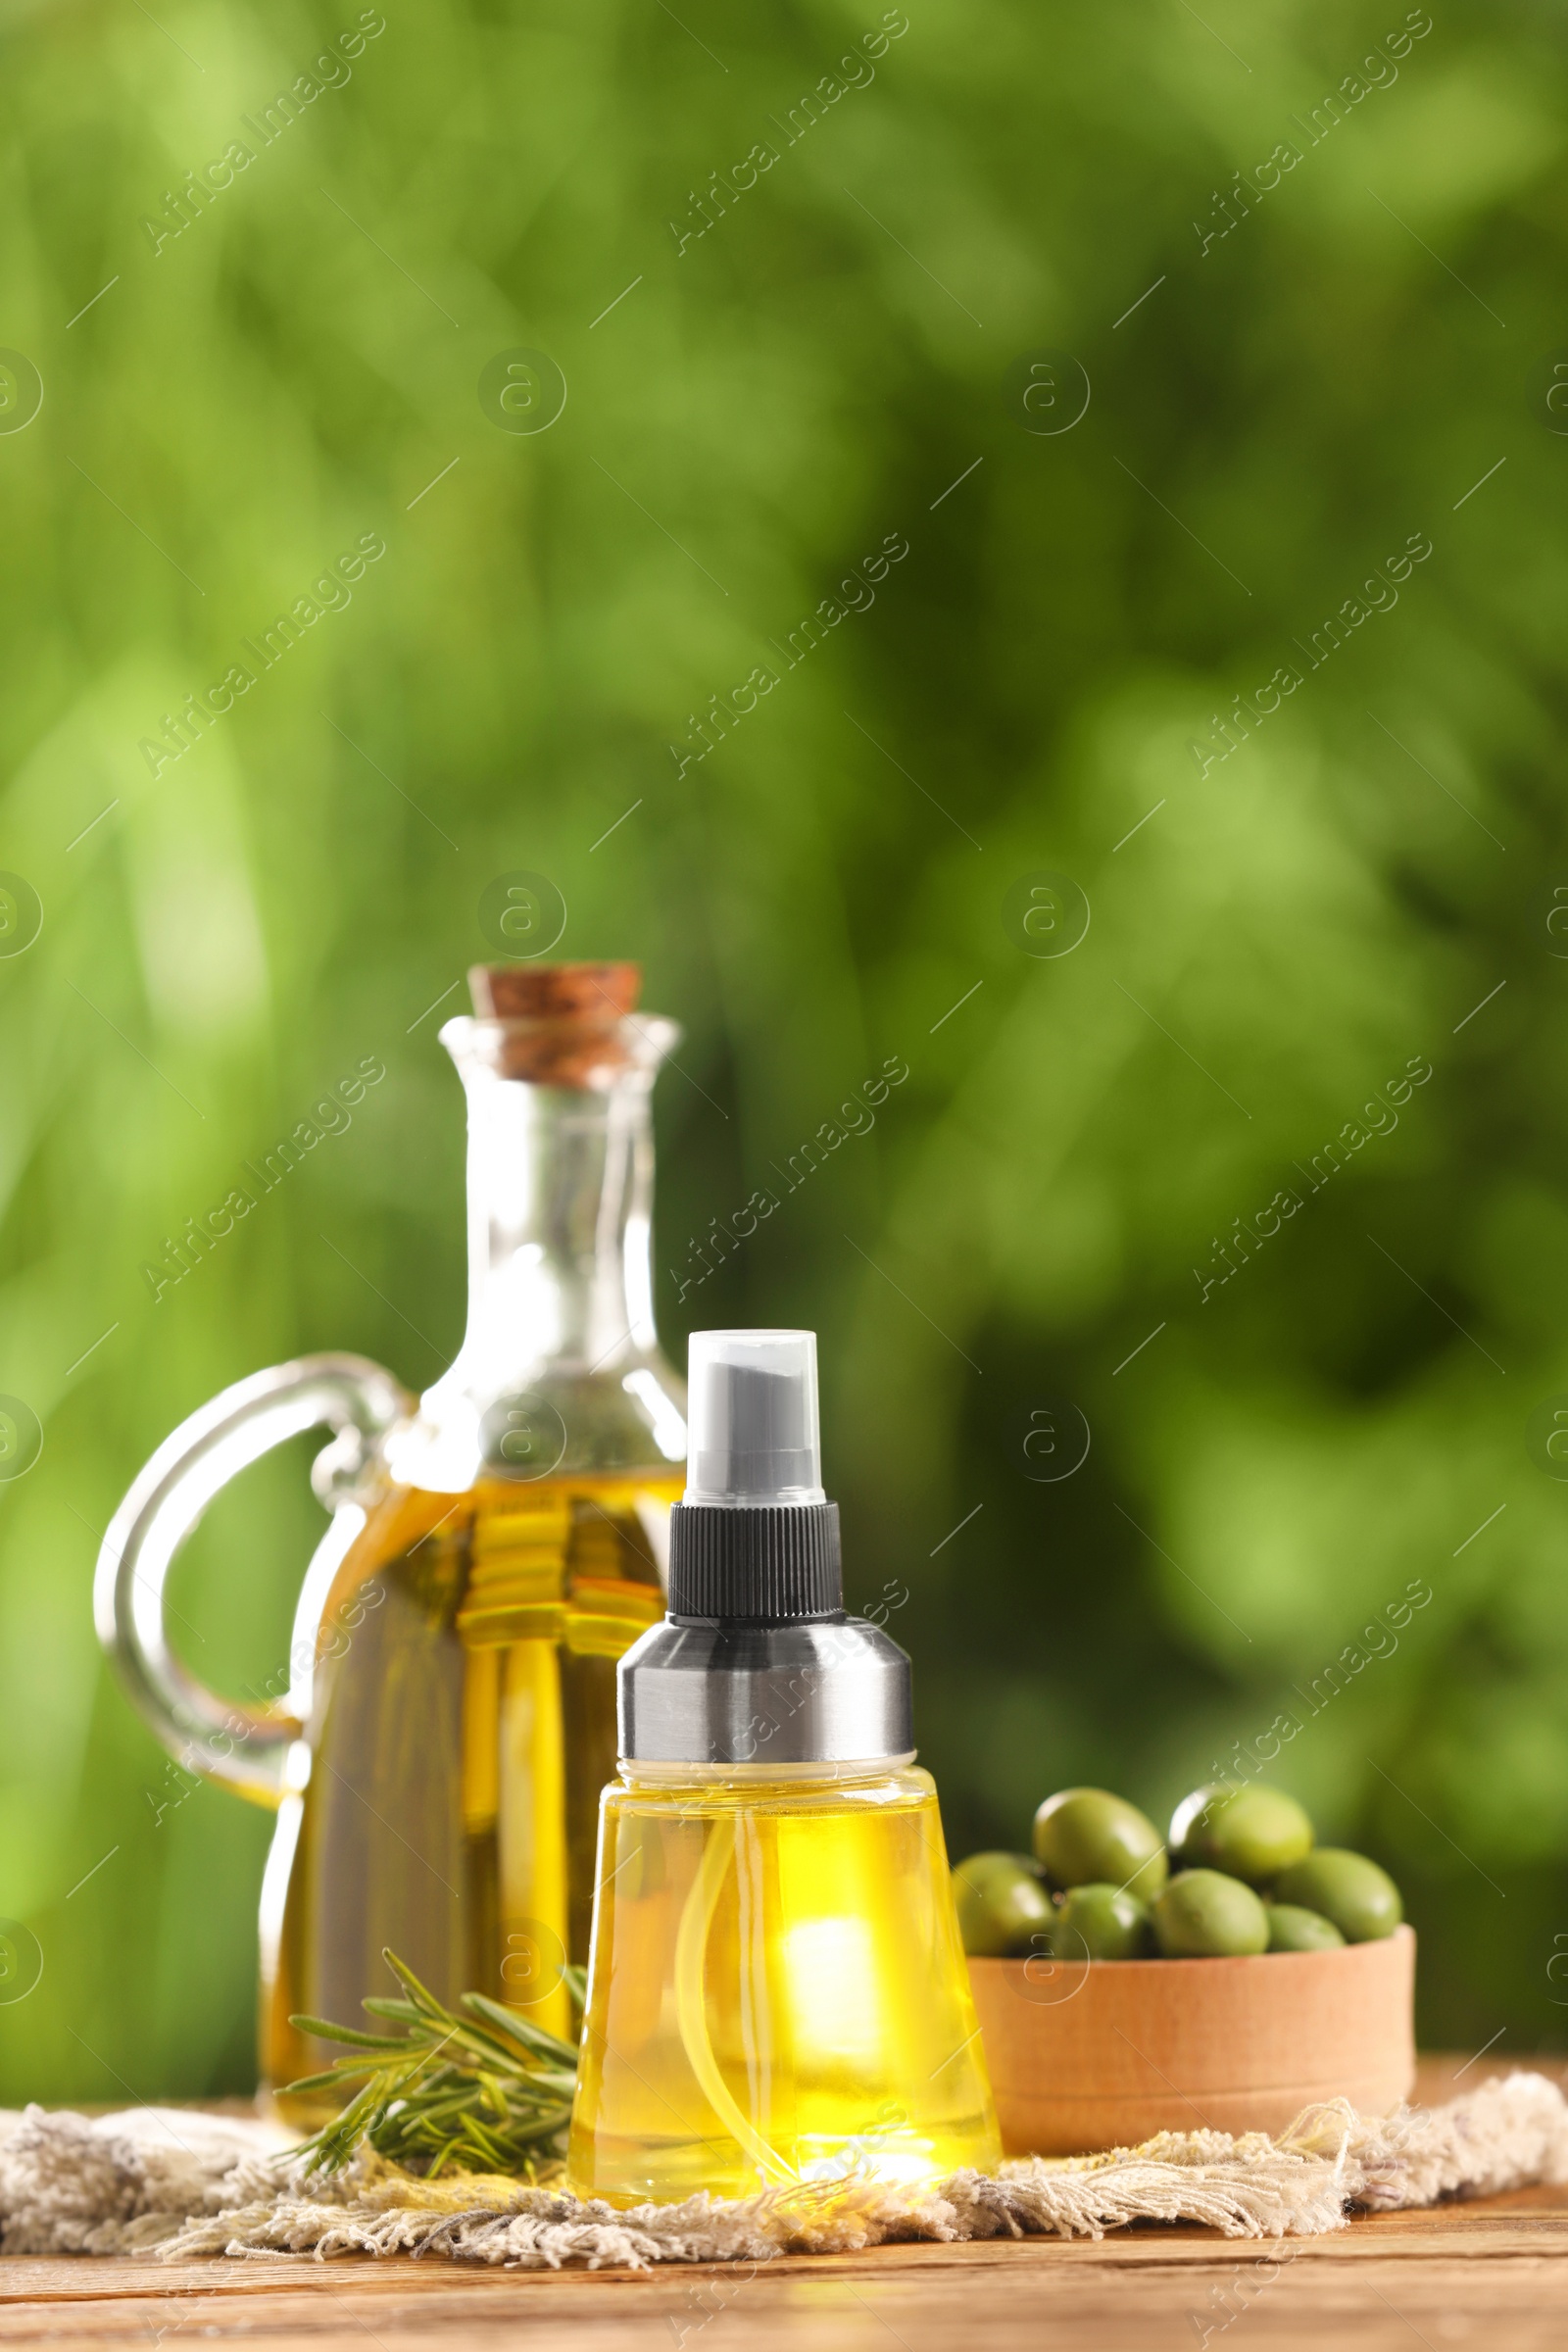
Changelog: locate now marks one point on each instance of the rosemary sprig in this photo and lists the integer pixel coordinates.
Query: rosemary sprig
(487, 2092)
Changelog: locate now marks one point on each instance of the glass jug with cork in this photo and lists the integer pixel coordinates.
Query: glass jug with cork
(495, 1547)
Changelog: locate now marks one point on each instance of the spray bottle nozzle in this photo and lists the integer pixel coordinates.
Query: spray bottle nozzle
(753, 1419)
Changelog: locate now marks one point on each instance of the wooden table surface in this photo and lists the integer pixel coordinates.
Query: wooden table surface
(1492, 2274)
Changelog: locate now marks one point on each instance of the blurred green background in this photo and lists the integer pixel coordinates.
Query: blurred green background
(1367, 880)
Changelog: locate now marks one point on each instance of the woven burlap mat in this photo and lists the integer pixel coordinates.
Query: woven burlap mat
(177, 2184)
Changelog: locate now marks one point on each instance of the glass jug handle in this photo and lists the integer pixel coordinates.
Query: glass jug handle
(232, 1741)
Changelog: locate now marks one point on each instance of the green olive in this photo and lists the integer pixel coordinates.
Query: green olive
(1293, 1930)
(1190, 1820)
(1100, 1922)
(1361, 1901)
(1001, 1905)
(1253, 1832)
(1084, 1834)
(1203, 1912)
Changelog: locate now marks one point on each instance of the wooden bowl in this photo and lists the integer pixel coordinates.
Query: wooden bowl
(1102, 2054)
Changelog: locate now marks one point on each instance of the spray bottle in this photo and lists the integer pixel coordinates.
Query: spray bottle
(777, 1992)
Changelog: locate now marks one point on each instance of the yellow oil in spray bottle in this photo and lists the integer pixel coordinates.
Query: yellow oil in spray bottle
(777, 1993)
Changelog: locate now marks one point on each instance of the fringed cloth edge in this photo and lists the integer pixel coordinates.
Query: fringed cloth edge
(113, 2186)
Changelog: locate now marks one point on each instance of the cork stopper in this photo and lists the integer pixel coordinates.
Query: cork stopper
(562, 1020)
(521, 992)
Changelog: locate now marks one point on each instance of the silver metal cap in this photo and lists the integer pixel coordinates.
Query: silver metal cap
(805, 1694)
